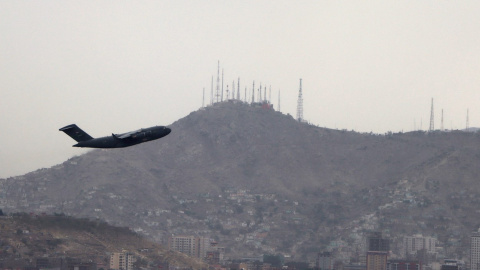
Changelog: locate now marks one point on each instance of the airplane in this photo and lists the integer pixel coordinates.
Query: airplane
(116, 140)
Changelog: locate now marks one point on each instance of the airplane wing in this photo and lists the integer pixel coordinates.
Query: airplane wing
(131, 134)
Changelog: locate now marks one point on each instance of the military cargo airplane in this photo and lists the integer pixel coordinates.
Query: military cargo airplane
(116, 140)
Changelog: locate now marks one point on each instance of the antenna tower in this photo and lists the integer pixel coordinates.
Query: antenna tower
(468, 121)
(222, 84)
(441, 127)
(260, 93)
(238, 89)
(300, 104)
(279, 100)
(253, 92)
(233, 89)
(432, 125)
(217, 94)
(270, 94)
(211, 92)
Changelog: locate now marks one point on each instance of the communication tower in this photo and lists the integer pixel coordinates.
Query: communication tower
(441, 127)
(468, 122)
(432, 125)
(300, 104)
(260, 93)
(238, 89)
(279, 100)
(253, 92)
(270, 94)
(222, 84)
(217, 94)
(211, 92)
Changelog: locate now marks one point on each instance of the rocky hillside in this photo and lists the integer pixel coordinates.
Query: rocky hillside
(257, 181)
(29, 237)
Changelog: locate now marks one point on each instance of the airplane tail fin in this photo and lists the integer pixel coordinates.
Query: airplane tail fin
(76, 133)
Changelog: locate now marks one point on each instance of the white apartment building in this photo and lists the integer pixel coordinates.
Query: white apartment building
(475, 251)
(412, 244)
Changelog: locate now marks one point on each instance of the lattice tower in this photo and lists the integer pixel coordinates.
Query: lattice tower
(217, 94)
(432, 118)
(300, 104)
(468, 122)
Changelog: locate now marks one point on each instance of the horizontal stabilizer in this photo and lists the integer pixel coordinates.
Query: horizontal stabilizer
(76, 133)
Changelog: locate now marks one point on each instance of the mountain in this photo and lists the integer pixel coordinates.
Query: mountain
(258, 181)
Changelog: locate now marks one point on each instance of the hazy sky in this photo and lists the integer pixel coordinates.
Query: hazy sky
(116, 66)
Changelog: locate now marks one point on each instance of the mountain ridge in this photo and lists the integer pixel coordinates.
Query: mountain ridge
(183, 183)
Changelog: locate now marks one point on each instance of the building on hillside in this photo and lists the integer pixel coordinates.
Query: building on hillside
(194, 246)
(377, 260)
(416, 243)
(403, 265)
(376, 242)
(324, 261)
(121, 261)
(475, 251)
(377, 251)
(450, 264)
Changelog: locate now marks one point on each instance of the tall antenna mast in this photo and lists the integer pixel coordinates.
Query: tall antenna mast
(441, 127)
(468, 122)
(270, 94)
(238, 89)
(233, 89)
(300, 104)
(432, 124)
(253, 92)
(217, 94)
(245, 94)
(265, 94)
(211, 92)
(260, 93)
(222, 84)
(279, 100)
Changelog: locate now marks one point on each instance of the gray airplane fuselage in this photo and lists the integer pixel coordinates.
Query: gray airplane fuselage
(144, 135)
(116, 140)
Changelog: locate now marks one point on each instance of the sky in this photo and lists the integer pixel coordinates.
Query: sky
(116, 66)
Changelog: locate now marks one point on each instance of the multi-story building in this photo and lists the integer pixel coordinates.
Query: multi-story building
(375, 242)
(451, 264)
(324, 261)
(121, 261)
(184, 244)
(475, 251)
(403, 265)
(413, 244)
(377, 260)
(377, 251)
(194, 246)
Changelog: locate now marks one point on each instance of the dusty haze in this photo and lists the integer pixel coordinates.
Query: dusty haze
(119, 66)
